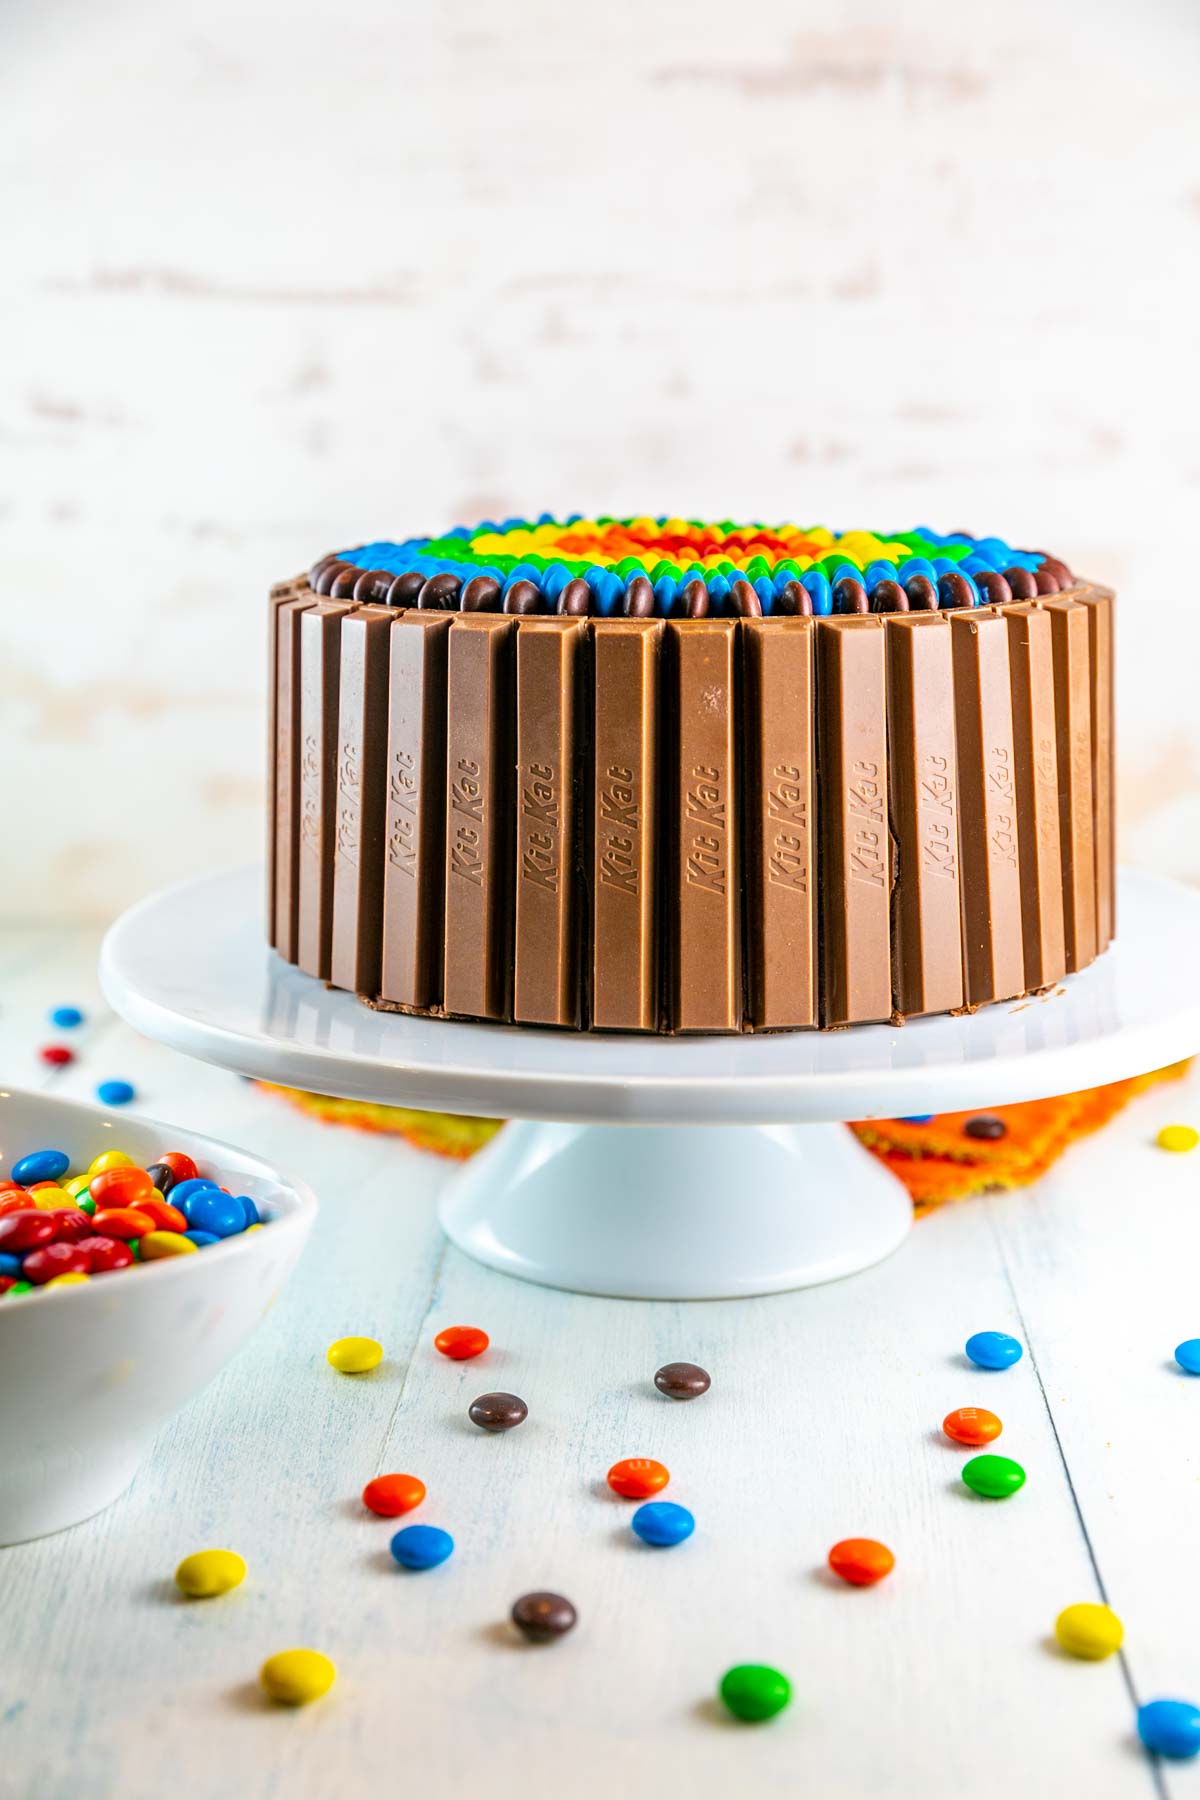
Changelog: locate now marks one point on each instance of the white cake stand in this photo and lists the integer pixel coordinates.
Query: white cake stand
(613, 1189)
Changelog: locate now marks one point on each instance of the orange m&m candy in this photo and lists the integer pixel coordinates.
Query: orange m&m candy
(120, 1187)
(122, 1222)
(637, 1477)
(165, 1216)
(972, 1425)
(461, 1342)
(390, 1495)
(861, 1561)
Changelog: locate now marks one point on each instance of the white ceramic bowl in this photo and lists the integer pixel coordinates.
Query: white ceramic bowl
(90, 1372)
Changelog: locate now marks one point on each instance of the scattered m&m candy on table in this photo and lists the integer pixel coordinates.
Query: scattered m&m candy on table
(497, 1412)
(1187, 1355)
(1170, 1727)
(993, 1477)
(391, 1495)
(354, 1355)
(637, 1477)
(543, 1617)
(662, 1523)
(56, 1056)
(1178, 1137)
(972, 1425)
(461, 1342)
(421, 1546)
(861, 1561)
(682, 1380)
(754, 1691)
(993, 1350)
(1089, 1630)
(207, 1573)
(294, 1677)
(66, 1018)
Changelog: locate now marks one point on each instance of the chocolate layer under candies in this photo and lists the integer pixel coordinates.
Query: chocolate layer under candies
(664, 775)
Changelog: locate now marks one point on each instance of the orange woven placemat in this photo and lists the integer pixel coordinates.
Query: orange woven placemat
(936, 1161)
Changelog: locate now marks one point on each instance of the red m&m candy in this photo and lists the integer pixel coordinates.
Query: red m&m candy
(972, 1425)
(27, 1230)
(461, 1342)
(637, 1477)
(391, 1495)
(181, 1163)
(72, 1224)
(105, 1254)
(42, 1265)
(56, 1055)
(861, 1561)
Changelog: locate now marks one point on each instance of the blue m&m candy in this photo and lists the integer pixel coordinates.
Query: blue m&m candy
(1187, 1355)
(1170, 1727)
(41, 1165)
(115, 1093)
(662, 1523)
(182, 1192)
(993, 1350)
(421, 1546)
(211, 1210)
(66, 1018)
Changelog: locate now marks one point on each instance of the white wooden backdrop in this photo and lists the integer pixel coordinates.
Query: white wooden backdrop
(278, 278)
(822, 1422)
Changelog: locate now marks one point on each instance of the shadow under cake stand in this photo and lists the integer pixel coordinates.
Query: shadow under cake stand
(653, 1167)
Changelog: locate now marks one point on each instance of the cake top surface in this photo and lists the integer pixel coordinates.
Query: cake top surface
(649, 566)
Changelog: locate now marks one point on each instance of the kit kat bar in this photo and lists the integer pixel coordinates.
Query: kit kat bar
(283, 779)
(414, 879)
(320, 670)
(361, 794)
(927, 970)
(624, 972)
(479, 839)
(705, 882)
(990, 872)
(856, 856)
(545, 950)
(781, 888)
(1101, 644)
(281, 593)
(1031, 666)
(1073, 713)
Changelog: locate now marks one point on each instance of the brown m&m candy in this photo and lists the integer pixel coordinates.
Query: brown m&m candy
(682, 1380)
(497, 1412)
(985, 1126)
(543, 1617)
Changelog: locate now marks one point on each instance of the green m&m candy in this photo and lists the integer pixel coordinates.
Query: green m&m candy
(995, 1477)
(752, 1691)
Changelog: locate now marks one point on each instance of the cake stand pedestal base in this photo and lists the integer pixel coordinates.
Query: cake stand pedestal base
(663, 1213)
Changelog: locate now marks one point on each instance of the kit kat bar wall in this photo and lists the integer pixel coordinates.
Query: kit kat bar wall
(624, 970)
(283, 772)
(704, 885)
(1035, 747)
(414, 878)
(856, 857)
(990, 872)
(927, 969)
(545, 953)
(320, 671)
(361, 793)
(780, 878)
(1100, 602)
(1069, 637)
(479, 844)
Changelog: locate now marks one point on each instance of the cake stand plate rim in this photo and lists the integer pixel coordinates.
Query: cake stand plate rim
(189, 966)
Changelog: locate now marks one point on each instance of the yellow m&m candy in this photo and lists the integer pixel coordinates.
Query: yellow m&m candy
(155, 1244)
(209, 1572)
(355, 1355)
(294, 1677)
(1178, 1137)
(1089, 1630)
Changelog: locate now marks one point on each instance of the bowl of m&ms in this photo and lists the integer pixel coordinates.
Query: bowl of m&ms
(135, 1260)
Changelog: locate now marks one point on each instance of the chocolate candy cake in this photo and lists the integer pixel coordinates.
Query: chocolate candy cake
(662, 775)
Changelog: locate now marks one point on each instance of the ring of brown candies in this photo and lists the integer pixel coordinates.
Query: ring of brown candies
(639, 598)
(523, 598)
(1021, 584)
(481, 594)
(850, 596)
(993, 587)
(575, 601)
(497, 1412)
(542, 1617)
(405, 588)
(439, 593)
(746, 602)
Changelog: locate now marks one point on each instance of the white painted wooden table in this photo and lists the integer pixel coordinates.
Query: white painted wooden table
(822, 1423)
